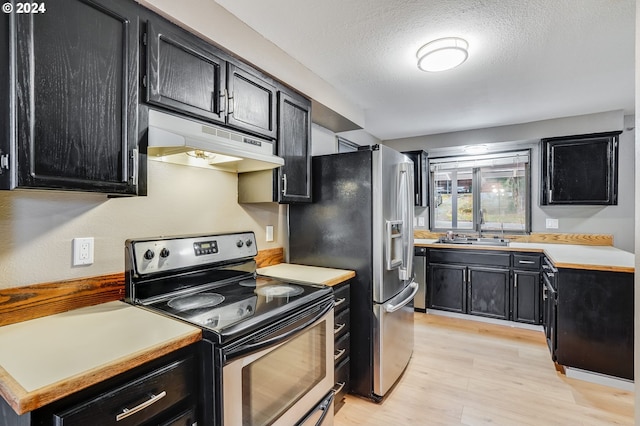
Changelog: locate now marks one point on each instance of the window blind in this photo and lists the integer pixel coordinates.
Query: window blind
(484, 160)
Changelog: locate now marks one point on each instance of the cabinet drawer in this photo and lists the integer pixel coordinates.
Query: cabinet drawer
(341, 349)
(341, 323)
(523, 261)
(469, 257)
(342, 378)
(137, 401)
(342, 297)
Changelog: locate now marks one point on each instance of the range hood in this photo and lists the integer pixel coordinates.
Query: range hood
(188, 142)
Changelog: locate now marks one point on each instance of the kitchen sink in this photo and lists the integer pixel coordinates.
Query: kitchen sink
(478, 241)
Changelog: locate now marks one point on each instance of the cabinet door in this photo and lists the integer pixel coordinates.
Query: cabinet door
(5, 103)
(76, 96)
(580, 170)
(184, 73)
(447, 287)
(252, 102)
(294, 145)
(526, 297)
(488, 292)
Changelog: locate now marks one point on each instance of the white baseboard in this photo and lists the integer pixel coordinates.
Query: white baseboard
(600, 379)
(486, 320)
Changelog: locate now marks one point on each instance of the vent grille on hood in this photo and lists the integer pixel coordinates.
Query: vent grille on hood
(188, 142)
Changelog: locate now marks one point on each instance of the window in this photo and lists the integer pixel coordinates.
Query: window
(486, 192)
(345, 145)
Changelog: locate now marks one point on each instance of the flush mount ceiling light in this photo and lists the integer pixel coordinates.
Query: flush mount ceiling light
(442, 54)
(476, 149)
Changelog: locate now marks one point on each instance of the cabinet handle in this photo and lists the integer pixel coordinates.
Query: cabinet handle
(284, 184)
(339, 327)
(526, 262)
(223, 101)
(134, 172)
(126, 412)
(339, 302)
(338, 354)
(515, 281)
(544, 292)
(340, 386)
(230, 105)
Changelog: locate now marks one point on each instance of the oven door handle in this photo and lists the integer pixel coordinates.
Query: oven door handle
(282, 335)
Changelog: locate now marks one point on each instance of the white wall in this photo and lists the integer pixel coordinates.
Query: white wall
(37, 226)
(617, 220)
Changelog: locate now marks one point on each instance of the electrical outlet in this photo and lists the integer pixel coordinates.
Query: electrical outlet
(552, 223)
(82, 251)
(269, 232)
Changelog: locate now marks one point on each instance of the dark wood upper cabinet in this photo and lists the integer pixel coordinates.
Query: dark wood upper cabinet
(580, 170)
(184, 73)
(188, 75)
(252, 101)
(420, 176)
(76, 97)
(293, 182)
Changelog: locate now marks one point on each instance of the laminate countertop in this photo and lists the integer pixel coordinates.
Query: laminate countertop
(48, 358)
(571, 256)
(309, 274)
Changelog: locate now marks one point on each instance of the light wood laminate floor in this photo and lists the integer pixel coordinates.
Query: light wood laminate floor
(470, 373)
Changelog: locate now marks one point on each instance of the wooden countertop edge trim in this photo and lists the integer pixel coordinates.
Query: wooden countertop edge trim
(11, 390)
(605, 268)
(22, 401)
(339, 280)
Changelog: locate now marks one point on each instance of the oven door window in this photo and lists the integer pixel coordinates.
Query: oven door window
(276, 381)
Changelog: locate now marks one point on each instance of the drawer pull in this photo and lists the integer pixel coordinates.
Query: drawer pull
(339, 327)
(340, 387)
(527, 262)
(339, 302)
(126, 412)
(339, 353)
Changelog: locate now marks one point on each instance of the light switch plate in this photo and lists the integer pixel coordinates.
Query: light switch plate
(421, 221)
(269, 233)
(552, 223)
(82, 251)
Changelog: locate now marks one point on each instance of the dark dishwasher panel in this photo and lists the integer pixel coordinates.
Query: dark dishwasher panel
(420, 274)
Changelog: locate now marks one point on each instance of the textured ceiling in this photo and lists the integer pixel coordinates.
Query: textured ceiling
(528, 60)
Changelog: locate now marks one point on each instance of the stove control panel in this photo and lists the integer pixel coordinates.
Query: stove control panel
(166, 254)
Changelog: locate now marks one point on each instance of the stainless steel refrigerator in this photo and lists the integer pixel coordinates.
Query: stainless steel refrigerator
(361, 218)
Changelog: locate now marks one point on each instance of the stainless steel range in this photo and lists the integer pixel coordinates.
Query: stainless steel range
(267, 344)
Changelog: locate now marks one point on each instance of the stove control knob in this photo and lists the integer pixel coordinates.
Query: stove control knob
(239, 243)
(249, 243)
(149, 254)
(164, 252)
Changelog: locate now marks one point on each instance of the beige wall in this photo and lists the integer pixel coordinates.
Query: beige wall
(36, 227)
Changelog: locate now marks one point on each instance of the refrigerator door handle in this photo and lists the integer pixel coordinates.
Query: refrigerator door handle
(392, 308)
(406, 200)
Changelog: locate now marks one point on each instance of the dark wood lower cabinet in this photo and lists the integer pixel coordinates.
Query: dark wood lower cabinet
(485, 283)
(488, 292)
(342, 339)
(447, 287)
(526, 297)
(165, 391)
(595, 329)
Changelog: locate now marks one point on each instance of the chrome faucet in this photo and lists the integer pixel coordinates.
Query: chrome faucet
(480, 222)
